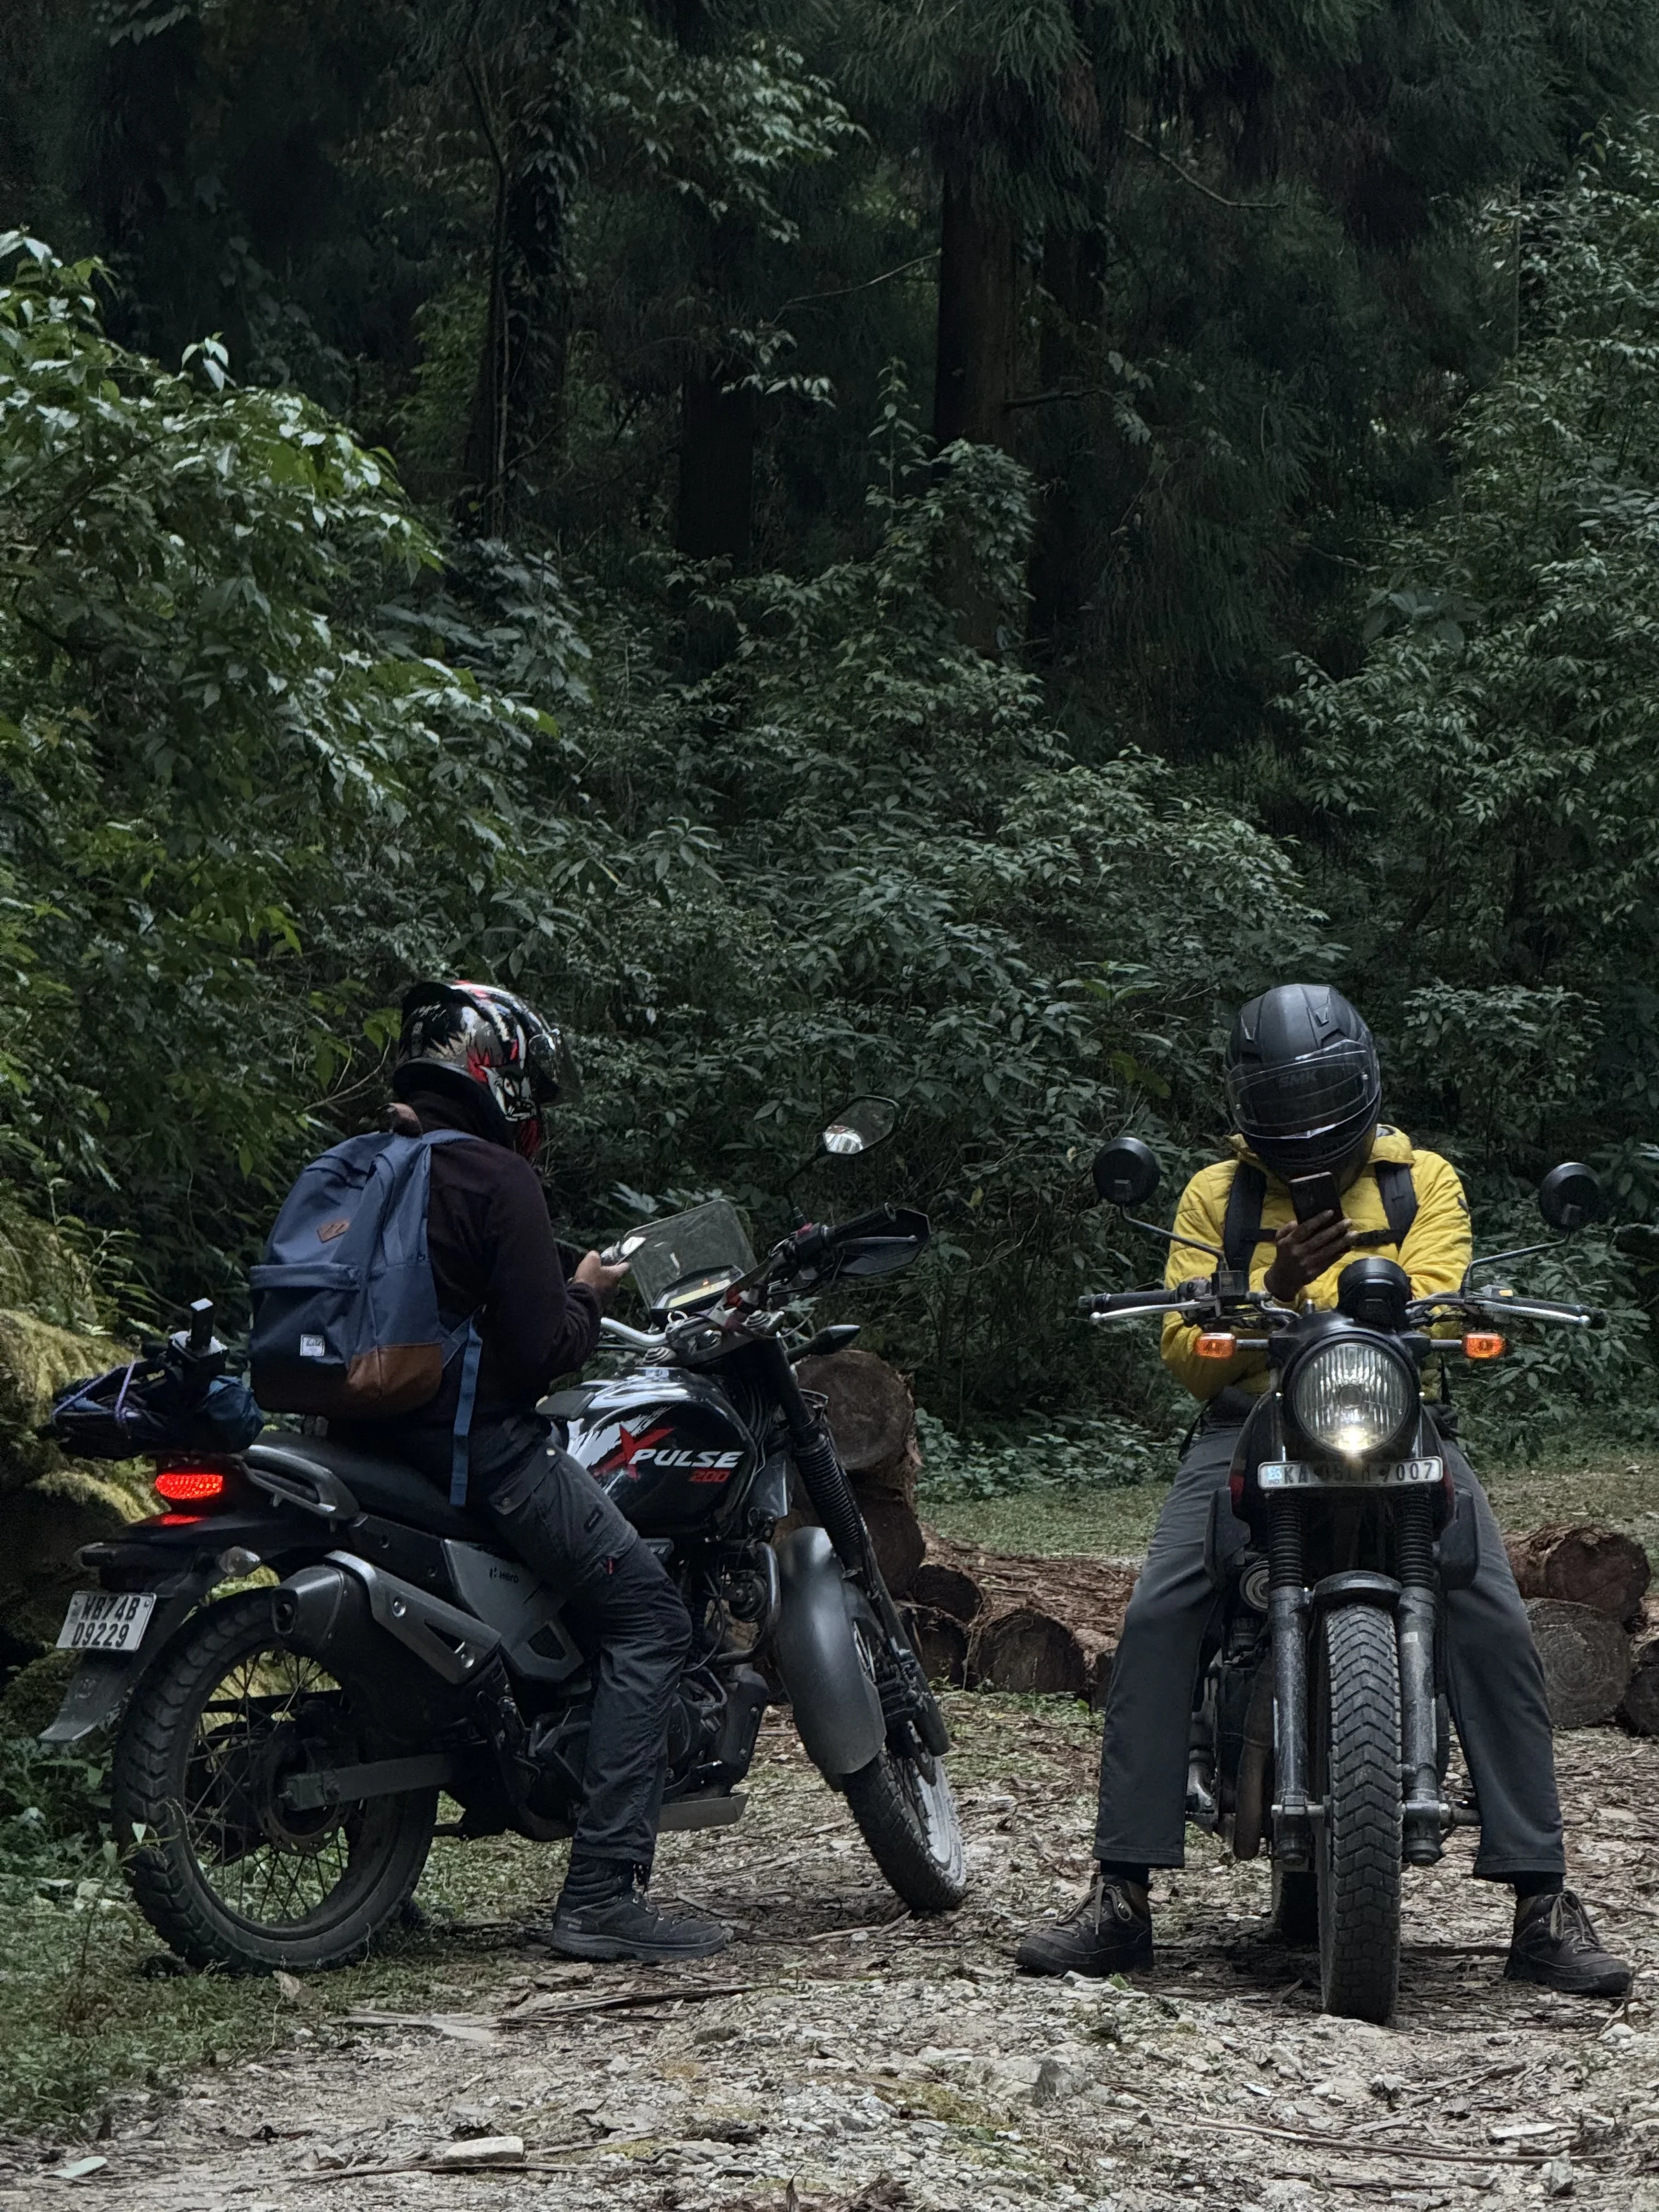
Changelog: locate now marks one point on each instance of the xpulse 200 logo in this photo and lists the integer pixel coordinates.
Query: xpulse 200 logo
(632, 1456)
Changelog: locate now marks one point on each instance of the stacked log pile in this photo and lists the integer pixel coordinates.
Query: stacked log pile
(1051, 1626)
(1043, 1626)
(1584, 1587)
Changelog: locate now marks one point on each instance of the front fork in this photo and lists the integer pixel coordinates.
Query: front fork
(1425, 1816)
(908, 1703)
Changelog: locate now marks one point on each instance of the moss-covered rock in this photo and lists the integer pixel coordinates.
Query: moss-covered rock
(42, 1273)
(34, 1693)
(37, 1358)
(41, 1528)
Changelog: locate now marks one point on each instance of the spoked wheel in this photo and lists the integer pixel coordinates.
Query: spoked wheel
(1356, 1772)
(908, 1817)
(224, 1868)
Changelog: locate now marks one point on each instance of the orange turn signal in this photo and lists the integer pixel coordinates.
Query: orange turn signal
(189, 1486)
(1219, 1343)
(1482, 1344)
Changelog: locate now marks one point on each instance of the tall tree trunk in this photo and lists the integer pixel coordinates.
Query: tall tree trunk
(527, 96)
(977, 295)
(717, 464)
(1054, 572)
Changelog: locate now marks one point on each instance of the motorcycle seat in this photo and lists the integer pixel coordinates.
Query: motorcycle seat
(388, 1487)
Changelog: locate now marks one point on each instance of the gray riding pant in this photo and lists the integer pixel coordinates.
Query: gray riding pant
(617, 1596)
(1495, 1684)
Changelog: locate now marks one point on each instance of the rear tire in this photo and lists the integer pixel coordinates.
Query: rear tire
(1357, 1773)
(908, 1820)
(224, 1873)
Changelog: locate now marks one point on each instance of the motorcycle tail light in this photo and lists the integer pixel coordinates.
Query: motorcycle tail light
(189, 1486)
(1236, 1487)
(1485, 1344)
(1217, 1344)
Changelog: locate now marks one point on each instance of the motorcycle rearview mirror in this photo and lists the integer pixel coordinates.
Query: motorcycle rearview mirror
(859, 1127)
(1570, 1197)
(1127, 1171)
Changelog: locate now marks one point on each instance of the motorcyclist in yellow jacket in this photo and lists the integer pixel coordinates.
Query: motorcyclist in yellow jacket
(1306, 1091)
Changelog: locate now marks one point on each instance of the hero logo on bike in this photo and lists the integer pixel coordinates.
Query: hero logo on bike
(632, 1454)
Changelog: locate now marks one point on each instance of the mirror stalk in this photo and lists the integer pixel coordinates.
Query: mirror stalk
(1190, 1243)
(1499, 1259)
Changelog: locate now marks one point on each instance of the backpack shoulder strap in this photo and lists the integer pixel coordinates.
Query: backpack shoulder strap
(1242, 1231)
(1398, 1193)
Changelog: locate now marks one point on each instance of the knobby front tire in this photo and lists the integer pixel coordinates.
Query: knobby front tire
(1357, 1774)
(908, 1820)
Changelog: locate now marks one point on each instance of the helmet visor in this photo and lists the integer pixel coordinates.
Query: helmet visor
(1322, 1093)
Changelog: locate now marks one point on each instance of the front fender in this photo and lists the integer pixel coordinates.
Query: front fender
(838, 1710)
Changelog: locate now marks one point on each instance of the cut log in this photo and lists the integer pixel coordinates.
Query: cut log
(896, 1534)
(1587, 1661)
(948, 1589)
(871, 1416)
(1027, 1649)
(1639, 1707)
(941, 1643)
(1582, 1564)
(1099, 1655)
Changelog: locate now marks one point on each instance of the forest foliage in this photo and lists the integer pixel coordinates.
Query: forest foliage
(832, 552)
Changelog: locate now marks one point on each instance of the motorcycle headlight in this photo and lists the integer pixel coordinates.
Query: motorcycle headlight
(1352, 1397)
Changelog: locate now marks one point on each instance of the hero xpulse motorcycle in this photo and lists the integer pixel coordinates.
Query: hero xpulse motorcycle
(280, 1751)
(1320, 1721)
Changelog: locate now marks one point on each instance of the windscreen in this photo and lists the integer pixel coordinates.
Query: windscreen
(674, 1262)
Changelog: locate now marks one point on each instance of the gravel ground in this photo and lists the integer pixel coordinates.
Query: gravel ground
(889, 2064)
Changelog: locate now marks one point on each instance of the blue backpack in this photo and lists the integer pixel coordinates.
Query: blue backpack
(345, 1311)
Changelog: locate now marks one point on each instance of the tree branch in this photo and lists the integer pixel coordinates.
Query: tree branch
(1244, 207)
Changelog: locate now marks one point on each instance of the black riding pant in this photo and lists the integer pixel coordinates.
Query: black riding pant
(1494, 1680)
(616, 1595)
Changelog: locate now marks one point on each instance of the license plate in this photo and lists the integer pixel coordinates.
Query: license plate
(106, 1620)
(1302, 1475)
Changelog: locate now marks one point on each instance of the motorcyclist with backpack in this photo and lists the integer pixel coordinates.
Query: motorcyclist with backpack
(477, 1062)
(1306, 1092)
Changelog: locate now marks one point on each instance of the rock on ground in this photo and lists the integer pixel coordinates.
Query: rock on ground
(877, 2062)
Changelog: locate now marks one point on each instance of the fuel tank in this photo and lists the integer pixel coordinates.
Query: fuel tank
(668, 1447)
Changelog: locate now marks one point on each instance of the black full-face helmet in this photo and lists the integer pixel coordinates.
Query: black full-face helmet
(1303, 1085)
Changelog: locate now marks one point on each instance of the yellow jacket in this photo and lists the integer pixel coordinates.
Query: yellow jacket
(1435, 1254)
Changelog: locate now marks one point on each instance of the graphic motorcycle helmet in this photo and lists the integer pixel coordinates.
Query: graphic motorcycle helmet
(1302, 1081)
(474, 1041)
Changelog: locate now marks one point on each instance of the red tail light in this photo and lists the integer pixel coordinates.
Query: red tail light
(189, 1486)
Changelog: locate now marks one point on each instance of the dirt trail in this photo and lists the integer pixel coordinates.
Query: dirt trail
(903, 2065)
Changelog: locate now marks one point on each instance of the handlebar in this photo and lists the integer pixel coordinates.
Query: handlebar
(1498, 1305)
(1195, 1302)
(1098, 1304)
(640, 1339)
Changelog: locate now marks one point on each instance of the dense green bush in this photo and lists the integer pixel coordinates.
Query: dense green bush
(266, 755)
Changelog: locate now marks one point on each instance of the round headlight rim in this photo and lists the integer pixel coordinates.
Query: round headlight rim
(1329, 1340)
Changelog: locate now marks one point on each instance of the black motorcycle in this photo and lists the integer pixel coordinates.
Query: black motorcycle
(1320, 1721)
(280, 1752)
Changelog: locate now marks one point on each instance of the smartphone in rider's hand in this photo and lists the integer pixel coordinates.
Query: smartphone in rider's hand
(1314, 1195)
